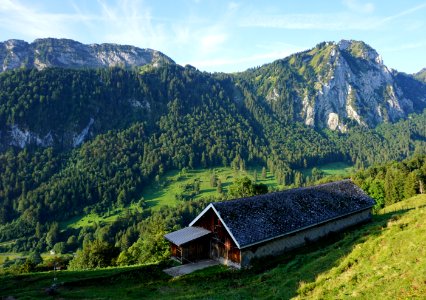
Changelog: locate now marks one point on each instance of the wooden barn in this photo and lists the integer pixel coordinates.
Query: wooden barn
(236, 231)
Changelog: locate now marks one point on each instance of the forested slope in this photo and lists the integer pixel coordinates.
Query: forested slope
(75, 141)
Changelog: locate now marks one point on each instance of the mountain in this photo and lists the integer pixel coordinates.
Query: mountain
(65, 53)
(76, 140)
(421, 75)
(337, 84)
(333, 85)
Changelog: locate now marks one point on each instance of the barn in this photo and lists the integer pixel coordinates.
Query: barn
(236, 231)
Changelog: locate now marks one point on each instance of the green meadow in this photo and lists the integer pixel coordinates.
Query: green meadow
(383, 259)
(163, 192)
(332, 169)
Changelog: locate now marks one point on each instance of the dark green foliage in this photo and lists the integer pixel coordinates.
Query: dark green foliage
(96, 254)
(244, 187)
(392, 182)
(35, 258)
(149, 121)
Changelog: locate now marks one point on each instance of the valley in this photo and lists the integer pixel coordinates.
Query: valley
(106, 148)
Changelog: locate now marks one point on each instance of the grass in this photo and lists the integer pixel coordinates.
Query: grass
(332, 169)
(91, 219)
(10, 255)
(383, 259)
(163, 193)
(158, 195)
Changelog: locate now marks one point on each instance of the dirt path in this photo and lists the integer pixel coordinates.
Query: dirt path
(189, 268)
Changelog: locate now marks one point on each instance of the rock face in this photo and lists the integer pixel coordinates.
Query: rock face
(357, 86)
(67, 53)
(346, 82)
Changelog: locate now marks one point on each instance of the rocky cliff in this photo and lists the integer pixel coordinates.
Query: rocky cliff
(337, 84)
(333, 85)
(67, 53)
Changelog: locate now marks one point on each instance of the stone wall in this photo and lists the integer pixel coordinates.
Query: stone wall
(291, 241)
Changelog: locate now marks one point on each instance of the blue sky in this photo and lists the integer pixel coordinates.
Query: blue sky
(227, 36)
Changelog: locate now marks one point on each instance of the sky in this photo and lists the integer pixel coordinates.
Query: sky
(227, 36)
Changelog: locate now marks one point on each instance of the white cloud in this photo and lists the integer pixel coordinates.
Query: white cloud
(29, 22)
(404, 13)
(334, 22)
(131, 22)
(357, 6)
(330, 21)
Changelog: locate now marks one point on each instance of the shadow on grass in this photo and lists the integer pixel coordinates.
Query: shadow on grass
(87, 284)
(272, 277)
(151, 197)
(280, 276)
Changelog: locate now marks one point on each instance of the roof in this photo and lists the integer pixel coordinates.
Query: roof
(260, 218)
(186, 235)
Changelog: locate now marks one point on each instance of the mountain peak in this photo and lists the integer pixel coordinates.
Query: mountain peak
(344, 83)
(360, 49)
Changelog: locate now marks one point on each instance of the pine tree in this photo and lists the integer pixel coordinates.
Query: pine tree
(263, 173)
(411, 185)
(219, 186)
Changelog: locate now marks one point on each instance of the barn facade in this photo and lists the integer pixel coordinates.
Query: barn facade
(236, 231)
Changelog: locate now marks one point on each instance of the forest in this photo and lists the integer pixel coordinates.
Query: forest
(148, 121)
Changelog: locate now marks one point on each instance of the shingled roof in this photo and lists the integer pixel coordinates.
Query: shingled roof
(260, 218)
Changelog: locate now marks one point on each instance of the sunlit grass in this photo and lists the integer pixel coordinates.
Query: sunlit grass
(383, 259)
(158, 195)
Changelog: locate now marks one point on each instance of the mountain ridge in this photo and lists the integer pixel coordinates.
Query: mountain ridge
(51, 52)
(75, 141)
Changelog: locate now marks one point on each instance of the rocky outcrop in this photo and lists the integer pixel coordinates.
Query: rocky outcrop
(345, 83)
(358, 87)
(67, 53)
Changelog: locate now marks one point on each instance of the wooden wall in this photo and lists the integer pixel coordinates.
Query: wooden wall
(222, 245)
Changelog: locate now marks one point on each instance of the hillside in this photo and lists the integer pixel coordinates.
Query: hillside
(334, 85)
(96, 140)
(366, 263)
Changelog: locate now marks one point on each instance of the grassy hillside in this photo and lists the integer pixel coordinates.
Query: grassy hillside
(158, 195)
(385, 258)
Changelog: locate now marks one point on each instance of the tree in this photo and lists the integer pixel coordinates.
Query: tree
(377, 191)
(213, 180)
(196, 186)
(60, 248)
(96, 254)
(317, 173)
(394, 185)
(298, 179)
(263, 173)
(52, 234)
(243, 187)
(219, 186)
(35, 258)
(411, 185)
